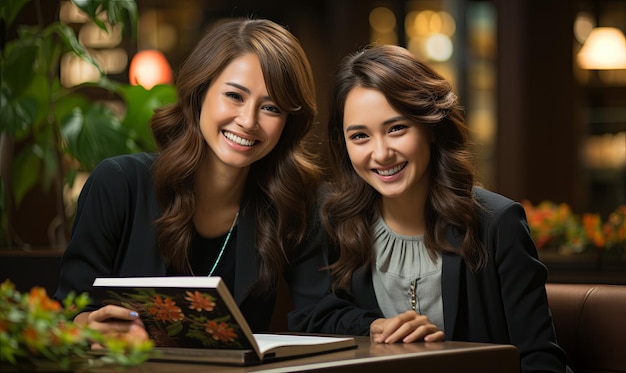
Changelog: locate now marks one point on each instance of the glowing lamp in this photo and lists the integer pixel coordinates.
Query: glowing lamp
(604, 49)
(149, 68)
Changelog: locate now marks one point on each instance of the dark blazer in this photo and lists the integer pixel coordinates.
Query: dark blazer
(505, 302)
(113, 235)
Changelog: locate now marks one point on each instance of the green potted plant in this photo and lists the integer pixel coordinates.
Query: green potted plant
(49, 132)
(37, 334)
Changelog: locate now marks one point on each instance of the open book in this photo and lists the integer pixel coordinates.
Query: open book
(197, 319)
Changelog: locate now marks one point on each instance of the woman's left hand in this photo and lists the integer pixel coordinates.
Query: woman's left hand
(407, 327)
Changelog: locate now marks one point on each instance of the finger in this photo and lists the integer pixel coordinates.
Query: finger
(112, 326)
(404, 324)
(420, 332)
(376, 330)
(400, 333)
(113, 312)
(437, 336)
(138, 333)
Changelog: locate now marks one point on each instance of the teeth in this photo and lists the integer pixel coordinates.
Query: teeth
(241, 141)
(391, 171)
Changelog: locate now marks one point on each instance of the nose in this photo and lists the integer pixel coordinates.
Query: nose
(381, 151)
(247, 117)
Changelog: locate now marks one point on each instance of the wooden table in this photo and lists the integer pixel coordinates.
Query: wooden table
(421, 357)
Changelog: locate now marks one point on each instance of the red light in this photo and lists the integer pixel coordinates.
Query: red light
(149, 68)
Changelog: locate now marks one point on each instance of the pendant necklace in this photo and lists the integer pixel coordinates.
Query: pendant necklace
(219, 256)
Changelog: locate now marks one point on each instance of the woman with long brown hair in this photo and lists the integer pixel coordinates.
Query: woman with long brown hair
(423, 252)
(230, 191)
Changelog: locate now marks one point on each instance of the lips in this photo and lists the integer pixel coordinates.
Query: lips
(391, 171)
(238, 140)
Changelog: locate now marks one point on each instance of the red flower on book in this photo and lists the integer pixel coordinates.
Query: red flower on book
(220, 331)
(165, 309)
(199, 301)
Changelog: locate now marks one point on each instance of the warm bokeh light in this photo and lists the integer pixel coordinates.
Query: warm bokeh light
(438, 47)
(583, 25)
(70, 13)
(112, 61)
(429, 34)
(92, 36)
(149, 68)
(382, 20)
(75, 71)
(604, 49)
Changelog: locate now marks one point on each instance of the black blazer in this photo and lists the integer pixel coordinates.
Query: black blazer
(505, 302)
(113, 235)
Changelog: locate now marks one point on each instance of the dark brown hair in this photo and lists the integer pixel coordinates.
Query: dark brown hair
(422, 96)
(281, 185)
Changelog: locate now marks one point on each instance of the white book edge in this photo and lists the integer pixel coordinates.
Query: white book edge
(169, 281)
(268, 341)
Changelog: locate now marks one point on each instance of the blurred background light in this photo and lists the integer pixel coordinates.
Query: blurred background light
(149, 68)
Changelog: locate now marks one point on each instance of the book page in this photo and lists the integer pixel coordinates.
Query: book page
(270, 342)
(169, 281)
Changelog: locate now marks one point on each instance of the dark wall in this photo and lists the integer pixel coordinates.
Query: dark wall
(538, 133)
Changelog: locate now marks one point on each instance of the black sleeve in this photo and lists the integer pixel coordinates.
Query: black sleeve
(318, 309)
(522, 278)
(93, 246)
(307, 276)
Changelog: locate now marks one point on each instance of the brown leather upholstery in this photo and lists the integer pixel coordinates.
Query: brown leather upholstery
(590, 322)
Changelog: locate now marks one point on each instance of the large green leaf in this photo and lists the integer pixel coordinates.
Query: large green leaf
(140, 104)
(42, 91)
(9, 9)
(65, 105)
(117, 11)
(67, 35)
(17, 114)
(25, 173)
(93, 135)
(16, 66)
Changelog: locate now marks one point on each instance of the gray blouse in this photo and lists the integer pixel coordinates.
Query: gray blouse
(405, 276)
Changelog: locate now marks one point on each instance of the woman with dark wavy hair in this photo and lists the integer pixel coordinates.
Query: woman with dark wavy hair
(423, 252)
(230, 191)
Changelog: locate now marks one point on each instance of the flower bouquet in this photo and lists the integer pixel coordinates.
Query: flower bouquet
(554, 226)
(37, 331)
(614, 229)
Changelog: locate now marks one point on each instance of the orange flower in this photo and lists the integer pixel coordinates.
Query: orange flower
(32, 339)
(39, 298)
(615, 228)
(4, 325)
(199, 301)
(593, 228)
(70, 333)
(220, 331)
(166, 310)
(556, 226)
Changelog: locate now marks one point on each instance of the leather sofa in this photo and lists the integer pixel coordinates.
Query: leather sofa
(590, 323)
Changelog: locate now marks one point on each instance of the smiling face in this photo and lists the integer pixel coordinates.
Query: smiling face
(387, 150)
(239, 121)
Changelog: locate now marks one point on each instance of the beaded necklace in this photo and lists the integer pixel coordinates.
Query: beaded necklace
(219, 256)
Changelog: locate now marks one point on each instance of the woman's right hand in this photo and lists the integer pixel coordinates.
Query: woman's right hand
(112, 319)
(407, 327)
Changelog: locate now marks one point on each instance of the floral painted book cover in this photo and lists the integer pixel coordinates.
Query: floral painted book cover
(196, 319)
(187, 312)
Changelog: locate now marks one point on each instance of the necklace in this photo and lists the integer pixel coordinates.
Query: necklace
(219, 256)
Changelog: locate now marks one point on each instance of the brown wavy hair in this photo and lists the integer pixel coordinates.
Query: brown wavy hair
(422, 96)
(280, 186)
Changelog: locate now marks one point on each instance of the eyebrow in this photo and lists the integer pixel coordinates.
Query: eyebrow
(357, 127)
(239, 86)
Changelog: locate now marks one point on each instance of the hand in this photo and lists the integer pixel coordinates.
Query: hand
(112, 319)
(408, 327)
